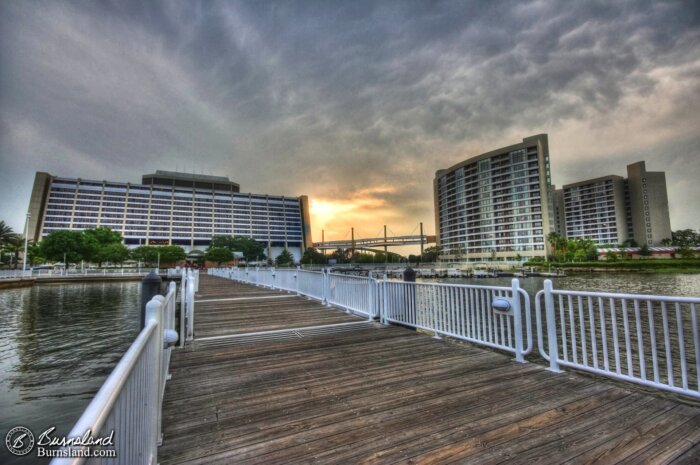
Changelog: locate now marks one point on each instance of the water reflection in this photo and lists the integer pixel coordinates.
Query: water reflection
(59, 343)
(686, 285)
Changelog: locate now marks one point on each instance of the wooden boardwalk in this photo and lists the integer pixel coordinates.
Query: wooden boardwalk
(224, 307)
(373, 394)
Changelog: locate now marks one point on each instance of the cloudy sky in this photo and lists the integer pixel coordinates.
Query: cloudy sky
(354, 103)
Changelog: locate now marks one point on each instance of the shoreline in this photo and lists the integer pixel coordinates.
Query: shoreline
(627, 266)
(13, 283)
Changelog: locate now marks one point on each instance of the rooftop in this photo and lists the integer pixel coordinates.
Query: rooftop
(170, 178)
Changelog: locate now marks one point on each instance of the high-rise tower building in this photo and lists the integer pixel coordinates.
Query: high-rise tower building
(595, 209)
(610, 210)
(648, 204)
(496, 206)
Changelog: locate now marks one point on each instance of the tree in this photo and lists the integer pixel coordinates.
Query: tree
(34, 254)
(13, 246)
(284, 259)
(170, 253)
(219, 255)
(431, 254)
(100, 245)
(341, 256)
(6, 234)
(145, 253)
(558, 243)
(58, 245)
(150, 254)
(312, 256)
(644, 251)
(685, 238)
(113, 253)
(686, 253)
(629, 243)
(363, 257)
(251, 249)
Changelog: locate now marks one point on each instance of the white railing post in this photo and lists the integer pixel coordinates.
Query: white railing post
(190, 305)
(383, 312)
(183, 306)
(172, 287)
(370, 297)
(436, 335)
(296, 279)
(517, 322)
(326, 287)
(551, 327)
(274, 280)
(154, 311)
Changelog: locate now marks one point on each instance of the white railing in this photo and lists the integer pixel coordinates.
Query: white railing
(487, 315)
(312, 284)
(169, 303)
(285, 279)
(96, 272)
(175, 272)
(460, 311)
(188, 288)
(10, 274)
(648, 340)
(183, 307)
(354, 293)
(128, 406)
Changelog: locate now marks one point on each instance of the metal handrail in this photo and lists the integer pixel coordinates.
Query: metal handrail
(491, 316)
(353, 293)
(97, 412)
(622, 336)
(135, 389)
(140, 271)
(10, 274)
(191, 286)
(372, 298)
(609, 334)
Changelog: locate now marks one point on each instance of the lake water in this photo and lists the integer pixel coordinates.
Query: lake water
(686, 285)
(59, 342)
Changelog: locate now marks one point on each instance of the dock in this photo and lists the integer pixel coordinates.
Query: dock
(272, 377)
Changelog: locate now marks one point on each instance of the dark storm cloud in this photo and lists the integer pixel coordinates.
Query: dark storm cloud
(344, 99)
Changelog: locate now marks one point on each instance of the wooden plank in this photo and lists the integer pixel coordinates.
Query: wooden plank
(393, 395)
(261, 309)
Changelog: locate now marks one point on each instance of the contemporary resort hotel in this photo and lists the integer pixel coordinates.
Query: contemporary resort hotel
(496, 206)
(170, 208)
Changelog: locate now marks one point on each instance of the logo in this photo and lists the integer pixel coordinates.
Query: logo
(19, 440)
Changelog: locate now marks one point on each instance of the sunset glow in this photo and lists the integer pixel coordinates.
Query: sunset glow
(366, 209)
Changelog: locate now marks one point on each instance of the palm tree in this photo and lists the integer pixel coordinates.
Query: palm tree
(554, 239)
(6, 234)
(14, 246)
